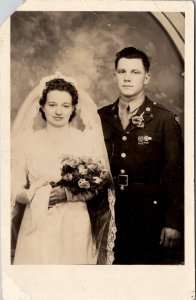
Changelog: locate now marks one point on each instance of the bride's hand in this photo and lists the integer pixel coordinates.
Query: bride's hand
(57, 195)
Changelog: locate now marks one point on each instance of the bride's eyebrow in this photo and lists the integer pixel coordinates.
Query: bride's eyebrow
(54, 102)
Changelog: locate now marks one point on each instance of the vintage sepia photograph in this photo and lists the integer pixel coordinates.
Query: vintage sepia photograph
(98, 145)
(119, 59)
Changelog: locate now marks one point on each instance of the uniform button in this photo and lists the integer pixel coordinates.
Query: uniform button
(122, 171)
(124, 138)
(115, 117)
(122, 187)
(148, 109)
(155, 202)
(154, 103)
(123, 155)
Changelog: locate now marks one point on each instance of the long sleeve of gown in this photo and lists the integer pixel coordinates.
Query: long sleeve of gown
(19, 182)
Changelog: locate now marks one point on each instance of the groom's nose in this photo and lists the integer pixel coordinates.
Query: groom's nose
(127, 77)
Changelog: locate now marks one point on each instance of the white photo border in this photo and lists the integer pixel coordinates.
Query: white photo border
(99, 282)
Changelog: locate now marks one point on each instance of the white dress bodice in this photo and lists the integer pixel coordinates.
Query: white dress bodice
(62, 234)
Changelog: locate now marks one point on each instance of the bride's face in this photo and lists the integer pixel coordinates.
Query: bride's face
(58, 108)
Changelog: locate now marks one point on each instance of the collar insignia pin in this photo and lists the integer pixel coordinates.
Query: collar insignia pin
(147, 139)
(140, 140)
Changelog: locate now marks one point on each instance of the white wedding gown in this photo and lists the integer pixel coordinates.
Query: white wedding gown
(61, 234)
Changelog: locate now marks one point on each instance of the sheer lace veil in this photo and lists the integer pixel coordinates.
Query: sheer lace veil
(87, 120)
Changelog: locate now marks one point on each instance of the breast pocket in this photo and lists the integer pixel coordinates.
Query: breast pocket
(149, 146)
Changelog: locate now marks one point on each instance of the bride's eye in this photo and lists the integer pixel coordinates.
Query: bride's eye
(51, 104)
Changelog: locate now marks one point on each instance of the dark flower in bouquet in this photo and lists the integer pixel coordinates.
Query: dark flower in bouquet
(80, 175)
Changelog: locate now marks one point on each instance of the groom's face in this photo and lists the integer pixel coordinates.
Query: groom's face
(58, 108)
(131, 78)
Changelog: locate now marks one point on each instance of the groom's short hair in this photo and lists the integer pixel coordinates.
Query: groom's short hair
(131, 52)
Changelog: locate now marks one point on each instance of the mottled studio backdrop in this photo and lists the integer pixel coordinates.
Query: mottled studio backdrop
(83, 45)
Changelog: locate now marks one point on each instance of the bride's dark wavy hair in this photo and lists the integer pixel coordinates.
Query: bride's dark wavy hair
(59, 85)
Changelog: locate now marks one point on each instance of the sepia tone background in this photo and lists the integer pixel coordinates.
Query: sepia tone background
(83, 45)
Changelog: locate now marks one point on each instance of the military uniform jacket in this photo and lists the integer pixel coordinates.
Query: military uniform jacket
(150, 152)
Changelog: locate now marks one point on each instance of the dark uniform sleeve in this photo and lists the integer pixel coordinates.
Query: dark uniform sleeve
(172, 178)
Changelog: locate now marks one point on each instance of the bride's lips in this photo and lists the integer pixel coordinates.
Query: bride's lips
(58, 118)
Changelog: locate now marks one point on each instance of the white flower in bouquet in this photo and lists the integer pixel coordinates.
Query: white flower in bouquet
(92, 166)
(73, 162)
(84, 184)
(97, 179)
(82, 170)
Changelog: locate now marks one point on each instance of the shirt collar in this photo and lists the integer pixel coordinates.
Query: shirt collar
(134, 105)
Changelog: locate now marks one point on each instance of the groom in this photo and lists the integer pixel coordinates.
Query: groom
(145, 150)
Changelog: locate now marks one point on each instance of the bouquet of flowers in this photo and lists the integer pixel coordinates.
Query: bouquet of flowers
(81, 175)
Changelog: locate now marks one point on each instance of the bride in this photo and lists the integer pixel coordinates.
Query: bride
(57, 227)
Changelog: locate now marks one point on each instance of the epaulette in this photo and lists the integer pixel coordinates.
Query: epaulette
(158, 105)
(107, 107)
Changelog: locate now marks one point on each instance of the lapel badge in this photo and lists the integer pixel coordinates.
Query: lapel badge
(144, 139)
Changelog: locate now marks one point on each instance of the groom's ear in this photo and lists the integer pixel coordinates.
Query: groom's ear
(147, 78)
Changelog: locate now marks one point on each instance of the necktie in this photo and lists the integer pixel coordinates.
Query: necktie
(125, 115)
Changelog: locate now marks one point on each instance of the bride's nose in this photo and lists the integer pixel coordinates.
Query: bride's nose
(58, 110)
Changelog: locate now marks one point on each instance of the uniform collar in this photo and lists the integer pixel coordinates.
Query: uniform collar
(113, 114)
(145, 108)
(133, 105)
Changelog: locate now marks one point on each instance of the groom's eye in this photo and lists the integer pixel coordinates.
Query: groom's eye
(136, 72)
(120, 71)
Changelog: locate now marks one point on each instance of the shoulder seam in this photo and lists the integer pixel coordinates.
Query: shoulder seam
(158, 105)
(105, 107)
